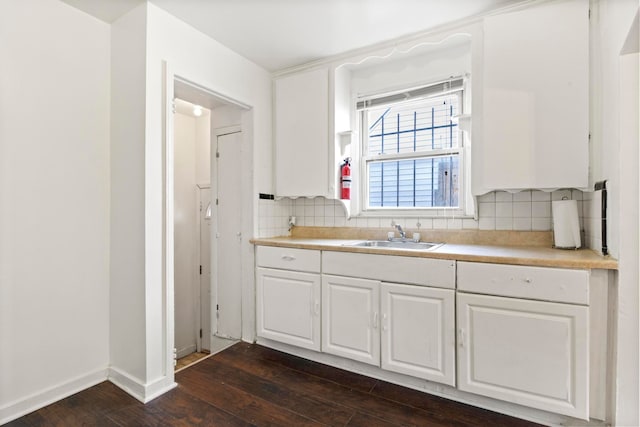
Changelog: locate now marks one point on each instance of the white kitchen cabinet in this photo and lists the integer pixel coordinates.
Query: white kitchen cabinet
(288, 307)
(418, 331)
(531, 127)
(532, 353)
(288, 295)
(302, 149)
(350, 317)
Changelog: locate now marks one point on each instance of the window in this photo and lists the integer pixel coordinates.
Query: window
(412, 148)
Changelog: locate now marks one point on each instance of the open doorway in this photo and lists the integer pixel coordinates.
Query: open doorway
(207, 222)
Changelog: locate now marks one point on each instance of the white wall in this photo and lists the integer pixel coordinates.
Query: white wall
(611, 148)
(54, 203)
(127, 233)
(198, 58)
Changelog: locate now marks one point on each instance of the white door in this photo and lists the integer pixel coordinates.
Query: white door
(288, 307)
(418, 331)
(350, 309)
(205, 268)
(532, 353)
(228, 237)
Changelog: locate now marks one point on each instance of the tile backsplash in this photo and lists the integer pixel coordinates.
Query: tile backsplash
(499, 210)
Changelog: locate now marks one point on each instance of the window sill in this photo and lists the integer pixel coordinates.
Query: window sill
(413, 213)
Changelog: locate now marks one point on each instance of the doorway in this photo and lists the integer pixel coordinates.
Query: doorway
(215, 301)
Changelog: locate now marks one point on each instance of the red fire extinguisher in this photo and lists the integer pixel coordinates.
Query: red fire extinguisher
(345, 179)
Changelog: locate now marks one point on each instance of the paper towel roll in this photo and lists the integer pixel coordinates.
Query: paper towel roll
(566, 224)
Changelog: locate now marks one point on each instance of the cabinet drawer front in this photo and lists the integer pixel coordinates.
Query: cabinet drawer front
(438, 273)
(288, 258)
(549, 284)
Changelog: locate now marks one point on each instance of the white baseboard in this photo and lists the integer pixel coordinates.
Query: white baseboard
(130, 384)
(18, 408)
(137, 389)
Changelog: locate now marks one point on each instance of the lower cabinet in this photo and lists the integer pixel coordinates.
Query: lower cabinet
(350, 312)
(528, 352)
(288, 307)
(402, 328)
(418, 331)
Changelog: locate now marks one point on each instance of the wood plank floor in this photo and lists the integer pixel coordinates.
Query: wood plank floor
(250, 385)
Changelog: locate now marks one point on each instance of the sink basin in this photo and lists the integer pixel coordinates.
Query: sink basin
(395, 244)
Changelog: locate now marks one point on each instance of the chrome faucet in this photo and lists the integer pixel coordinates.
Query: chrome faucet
(403, 235)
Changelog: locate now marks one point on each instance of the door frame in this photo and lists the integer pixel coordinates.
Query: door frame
(168, 250)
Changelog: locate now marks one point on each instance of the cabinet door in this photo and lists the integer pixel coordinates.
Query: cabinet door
(418, 331)
(534, 122)
(350, 318)
(527, 352)
(288, 307)
(302, 134)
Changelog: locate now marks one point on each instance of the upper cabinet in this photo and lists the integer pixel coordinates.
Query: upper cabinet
(312, 124)
(531, 127)
(302, 134)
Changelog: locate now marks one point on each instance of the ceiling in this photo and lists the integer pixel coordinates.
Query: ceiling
(279, 34)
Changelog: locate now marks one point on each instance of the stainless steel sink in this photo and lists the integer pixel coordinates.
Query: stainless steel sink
(395, 244)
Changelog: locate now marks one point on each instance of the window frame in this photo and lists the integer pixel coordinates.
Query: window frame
(461, 151)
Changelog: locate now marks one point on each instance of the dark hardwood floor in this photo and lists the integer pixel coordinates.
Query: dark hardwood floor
(250, 385)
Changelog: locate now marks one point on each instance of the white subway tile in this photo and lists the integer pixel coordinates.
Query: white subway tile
(504, 224)
(454, 224)
(522, 196)
(361, 222)
(340, 221)
(329, 221)
(329, 209)
(541, 209)
(425, 224)
(373, 222)
(541, 224)
(540, 196)
(487, 210)
(318, 211)
(470, 224)
(488, 223)
(503, 196)
(504, 210)
(489, 197)
(440, 223)
(522, 209)
(522, 224)
(309, 210)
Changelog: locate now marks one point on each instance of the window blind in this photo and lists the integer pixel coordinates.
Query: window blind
(435, 89)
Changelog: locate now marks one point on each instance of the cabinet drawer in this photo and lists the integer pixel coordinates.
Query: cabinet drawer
(288, 258)
(438, 273)
(549, 284)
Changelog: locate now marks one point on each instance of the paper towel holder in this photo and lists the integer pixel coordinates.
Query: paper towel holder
(566, 236)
